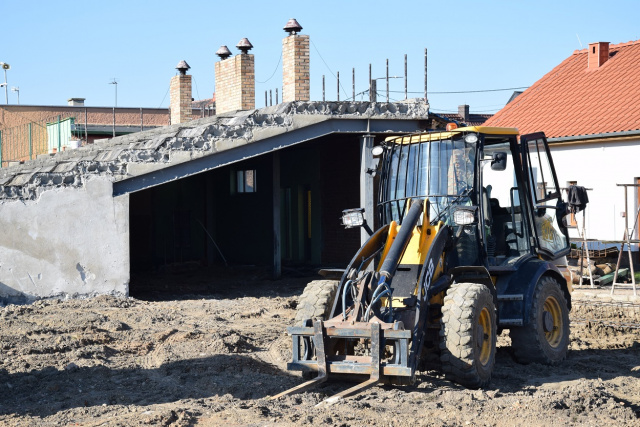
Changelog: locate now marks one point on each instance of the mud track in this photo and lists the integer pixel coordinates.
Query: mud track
(213, 359)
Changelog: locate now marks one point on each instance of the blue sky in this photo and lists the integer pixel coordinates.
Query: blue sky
(64, 49)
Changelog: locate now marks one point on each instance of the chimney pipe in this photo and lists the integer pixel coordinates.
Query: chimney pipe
(598, 54)
(295, 64)
(463, 112)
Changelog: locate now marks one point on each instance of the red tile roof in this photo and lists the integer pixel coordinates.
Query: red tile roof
(573, 99)
(474, 119)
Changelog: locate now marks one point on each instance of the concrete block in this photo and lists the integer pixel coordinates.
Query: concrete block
(155, 142)
(5, 179)
(108, 155)
(22, 179)
(192, 132)
(66, 167)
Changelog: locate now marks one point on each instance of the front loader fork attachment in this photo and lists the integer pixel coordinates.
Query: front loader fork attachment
(319, 339)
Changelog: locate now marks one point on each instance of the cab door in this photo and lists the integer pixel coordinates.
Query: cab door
(545, 193)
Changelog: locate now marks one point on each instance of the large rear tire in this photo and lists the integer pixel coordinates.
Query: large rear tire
(468, 334)
(545, 337)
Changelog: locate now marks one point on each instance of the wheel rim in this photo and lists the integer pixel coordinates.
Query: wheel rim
(552, 322)
(483, 338)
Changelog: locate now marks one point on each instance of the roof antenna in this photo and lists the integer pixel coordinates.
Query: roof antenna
(579, 40)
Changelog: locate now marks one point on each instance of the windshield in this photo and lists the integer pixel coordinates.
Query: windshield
(442, 171)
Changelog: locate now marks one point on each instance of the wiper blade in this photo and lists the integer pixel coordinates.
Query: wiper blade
(465, 193)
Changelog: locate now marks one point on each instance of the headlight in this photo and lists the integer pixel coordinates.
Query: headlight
(465, 216)
(352, 218)
(472, 138)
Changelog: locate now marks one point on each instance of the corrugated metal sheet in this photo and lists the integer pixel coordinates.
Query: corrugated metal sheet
(59, 133)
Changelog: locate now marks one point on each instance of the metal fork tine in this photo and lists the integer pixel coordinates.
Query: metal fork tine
(375, 370)
(318, 341)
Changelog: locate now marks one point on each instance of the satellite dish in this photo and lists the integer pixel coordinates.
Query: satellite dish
(6, 66)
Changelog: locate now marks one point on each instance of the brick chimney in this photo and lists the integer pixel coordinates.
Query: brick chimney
(295, 64)
(235, 79)
(598, 54)
(180, 88)
(463, 112)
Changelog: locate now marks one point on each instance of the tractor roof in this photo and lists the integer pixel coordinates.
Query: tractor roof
(435, 136)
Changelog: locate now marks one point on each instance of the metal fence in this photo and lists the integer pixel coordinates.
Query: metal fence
(26, 142)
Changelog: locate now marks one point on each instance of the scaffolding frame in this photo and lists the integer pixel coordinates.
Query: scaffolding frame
(626, 239)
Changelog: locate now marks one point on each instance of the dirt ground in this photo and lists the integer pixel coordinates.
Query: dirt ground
(214, 356)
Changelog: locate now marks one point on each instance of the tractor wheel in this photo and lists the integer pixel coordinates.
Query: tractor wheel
(468, 334)
(545, 337)
(315, 302)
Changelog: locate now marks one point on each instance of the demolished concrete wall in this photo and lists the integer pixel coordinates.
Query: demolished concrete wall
(71, 242)
(64, 233)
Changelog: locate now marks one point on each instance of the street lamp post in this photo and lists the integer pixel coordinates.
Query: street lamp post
(115, 82)
(5, 67)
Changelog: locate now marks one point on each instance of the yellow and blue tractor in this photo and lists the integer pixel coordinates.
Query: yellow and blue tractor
(472, 241)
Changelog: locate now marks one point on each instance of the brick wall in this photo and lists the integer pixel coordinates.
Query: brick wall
(295, 68)
(180, 95)
(341, 190)
(16, 115)
(235, 84)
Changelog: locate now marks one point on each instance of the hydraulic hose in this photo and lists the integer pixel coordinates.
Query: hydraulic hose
(390, 264)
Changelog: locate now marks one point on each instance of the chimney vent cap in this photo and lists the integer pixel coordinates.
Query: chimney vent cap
(182, 67)
(223, 52)
(244, 45)
(292, 27)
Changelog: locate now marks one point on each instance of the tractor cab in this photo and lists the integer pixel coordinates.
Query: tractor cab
(499, 194)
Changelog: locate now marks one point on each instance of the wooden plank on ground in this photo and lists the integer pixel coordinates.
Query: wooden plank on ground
(623, 273)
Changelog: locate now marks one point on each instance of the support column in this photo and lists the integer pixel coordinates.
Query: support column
(277, 247)
(209, 217)
(366, 184)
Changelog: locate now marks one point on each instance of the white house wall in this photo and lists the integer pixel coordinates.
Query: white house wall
(601, 166)
(70, 242)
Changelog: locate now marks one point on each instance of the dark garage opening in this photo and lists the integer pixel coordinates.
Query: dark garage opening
(182, 232)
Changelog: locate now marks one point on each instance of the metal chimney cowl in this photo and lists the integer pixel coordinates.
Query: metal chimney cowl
(182, 67)
(292, 27)
(244, 45)
(223, 52)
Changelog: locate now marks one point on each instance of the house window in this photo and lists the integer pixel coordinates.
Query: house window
(246, 181)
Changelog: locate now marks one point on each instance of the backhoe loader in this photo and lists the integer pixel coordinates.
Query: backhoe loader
(472, 241)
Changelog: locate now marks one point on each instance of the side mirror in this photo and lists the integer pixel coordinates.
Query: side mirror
(499, 161)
